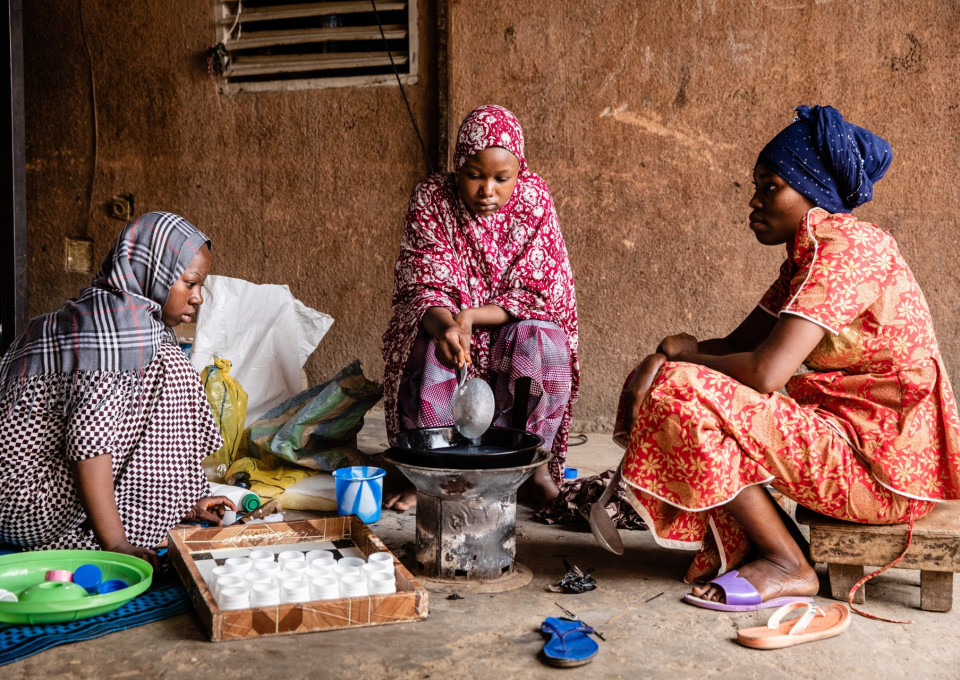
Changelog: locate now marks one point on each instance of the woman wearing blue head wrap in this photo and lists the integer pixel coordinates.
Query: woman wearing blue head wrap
(870, 433)
(832, 163)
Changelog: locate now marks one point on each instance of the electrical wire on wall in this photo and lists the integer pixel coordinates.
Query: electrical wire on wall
(218, 58)
(423, 147)
(236, 22)
(96, 131)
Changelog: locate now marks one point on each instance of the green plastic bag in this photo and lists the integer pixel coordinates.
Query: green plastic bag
(316, 429)
(229, 403)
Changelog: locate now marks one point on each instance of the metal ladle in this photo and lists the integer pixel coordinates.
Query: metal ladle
(472, 405)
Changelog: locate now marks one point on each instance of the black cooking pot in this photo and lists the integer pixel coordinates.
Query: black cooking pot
(444, 447)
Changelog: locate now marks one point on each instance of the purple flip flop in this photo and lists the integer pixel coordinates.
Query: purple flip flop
(740, 596)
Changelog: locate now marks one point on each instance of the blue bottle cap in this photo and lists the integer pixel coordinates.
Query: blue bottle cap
(88, 576)
(111, 586)
(570, 473)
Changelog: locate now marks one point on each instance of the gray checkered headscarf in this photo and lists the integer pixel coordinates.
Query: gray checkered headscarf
(114, 325)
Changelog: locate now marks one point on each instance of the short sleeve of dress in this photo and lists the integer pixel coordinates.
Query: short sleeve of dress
(838, 271)
(778, 294)
(101, 408)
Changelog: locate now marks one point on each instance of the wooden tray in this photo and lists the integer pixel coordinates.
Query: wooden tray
(186, 546)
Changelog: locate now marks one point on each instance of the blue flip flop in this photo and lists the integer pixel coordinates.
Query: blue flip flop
(740, 596)
(570, 643)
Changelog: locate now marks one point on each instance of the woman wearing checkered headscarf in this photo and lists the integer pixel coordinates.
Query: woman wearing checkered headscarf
(103, 421)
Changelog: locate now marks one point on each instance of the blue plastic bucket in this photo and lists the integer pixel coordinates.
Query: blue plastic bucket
(360, 492)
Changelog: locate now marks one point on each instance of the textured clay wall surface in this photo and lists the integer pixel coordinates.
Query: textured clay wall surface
(644, 117)
(305, 188)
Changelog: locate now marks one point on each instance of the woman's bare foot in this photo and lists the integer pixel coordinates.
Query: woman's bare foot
(540, 487)
(401, 500)
(781, 568)
(398, 493)
(770, 579)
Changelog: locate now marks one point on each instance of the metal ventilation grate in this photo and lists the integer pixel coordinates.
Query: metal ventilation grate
(285, 45)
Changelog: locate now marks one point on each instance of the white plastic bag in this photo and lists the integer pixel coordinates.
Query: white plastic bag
(266, 332)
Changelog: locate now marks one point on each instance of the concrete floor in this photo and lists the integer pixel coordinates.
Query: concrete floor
(497, 635)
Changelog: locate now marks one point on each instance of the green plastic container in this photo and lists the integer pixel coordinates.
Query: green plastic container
(21, 570)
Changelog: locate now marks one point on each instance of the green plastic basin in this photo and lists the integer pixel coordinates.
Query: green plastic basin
(20, 571)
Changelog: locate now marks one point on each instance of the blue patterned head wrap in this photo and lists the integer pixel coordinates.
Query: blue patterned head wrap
(830, 161)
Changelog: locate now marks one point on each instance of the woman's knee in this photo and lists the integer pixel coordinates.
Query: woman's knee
(547, 337)
(680, 379)
(537, 325)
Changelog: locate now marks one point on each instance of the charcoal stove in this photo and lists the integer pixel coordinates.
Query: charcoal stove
(467, 502)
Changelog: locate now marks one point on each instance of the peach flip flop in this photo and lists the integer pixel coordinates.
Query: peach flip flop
(815, 624)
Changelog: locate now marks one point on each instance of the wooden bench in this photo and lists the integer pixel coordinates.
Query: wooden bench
(846, 548)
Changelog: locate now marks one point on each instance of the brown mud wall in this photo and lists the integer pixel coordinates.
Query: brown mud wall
(644, 117)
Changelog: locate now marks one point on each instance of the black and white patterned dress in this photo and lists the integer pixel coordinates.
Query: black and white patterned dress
(157, 429)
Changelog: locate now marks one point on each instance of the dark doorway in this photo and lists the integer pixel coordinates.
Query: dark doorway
(13, 196)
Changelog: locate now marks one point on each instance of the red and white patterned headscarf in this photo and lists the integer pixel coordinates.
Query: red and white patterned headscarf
(488, 126)
(515, 258)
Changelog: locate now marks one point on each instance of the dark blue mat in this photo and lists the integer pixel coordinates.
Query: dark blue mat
(160, 602)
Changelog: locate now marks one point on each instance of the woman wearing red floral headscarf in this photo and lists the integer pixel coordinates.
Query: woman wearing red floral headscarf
(483, 281)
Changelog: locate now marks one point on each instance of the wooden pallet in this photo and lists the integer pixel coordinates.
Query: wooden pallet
(409, 603)
(846, 548)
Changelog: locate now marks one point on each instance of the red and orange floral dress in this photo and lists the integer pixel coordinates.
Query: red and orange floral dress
(871, 434)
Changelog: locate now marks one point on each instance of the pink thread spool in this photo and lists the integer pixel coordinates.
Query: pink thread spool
(61, 575)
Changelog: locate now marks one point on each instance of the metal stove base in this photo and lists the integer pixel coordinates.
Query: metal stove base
(518, 578)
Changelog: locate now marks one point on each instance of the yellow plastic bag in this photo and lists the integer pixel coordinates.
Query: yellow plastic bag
(229, 403)
(265, 481)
